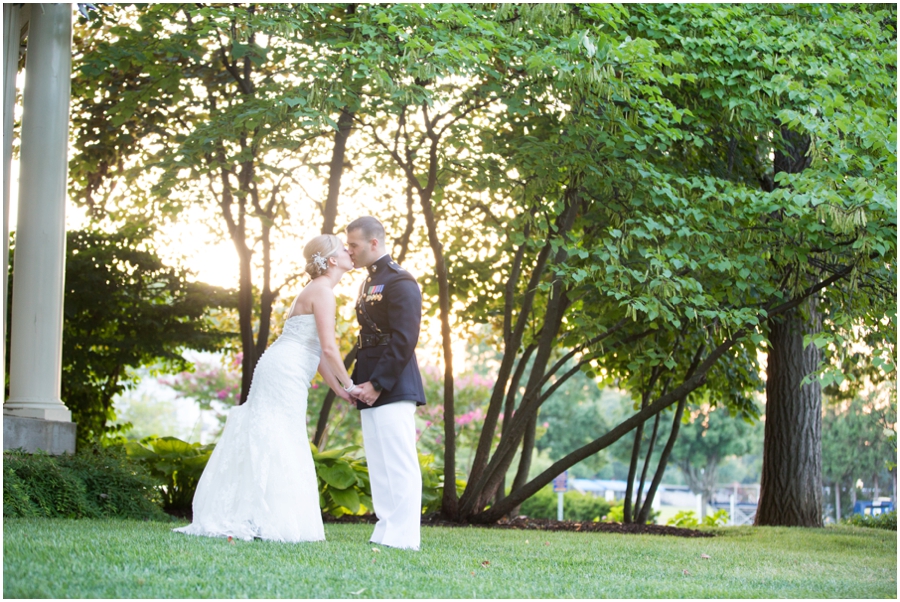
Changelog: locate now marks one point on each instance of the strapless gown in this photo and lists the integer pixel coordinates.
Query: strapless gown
(260, 481)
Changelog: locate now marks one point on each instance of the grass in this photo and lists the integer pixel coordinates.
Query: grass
(59, 558)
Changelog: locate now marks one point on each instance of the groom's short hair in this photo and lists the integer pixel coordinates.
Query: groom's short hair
(371, 227)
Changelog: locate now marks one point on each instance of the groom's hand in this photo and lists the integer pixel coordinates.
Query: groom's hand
(367, 394)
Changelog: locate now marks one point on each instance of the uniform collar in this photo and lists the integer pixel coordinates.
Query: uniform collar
(379, 264)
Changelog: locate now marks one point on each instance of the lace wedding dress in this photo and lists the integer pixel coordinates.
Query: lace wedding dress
(260, 480)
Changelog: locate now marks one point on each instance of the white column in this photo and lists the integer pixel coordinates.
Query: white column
(10, 66)
(37, 304)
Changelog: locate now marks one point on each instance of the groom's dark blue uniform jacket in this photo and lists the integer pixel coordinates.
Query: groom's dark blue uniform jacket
(389, 311)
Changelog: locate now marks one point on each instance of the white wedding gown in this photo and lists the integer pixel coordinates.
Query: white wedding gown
(260, 481)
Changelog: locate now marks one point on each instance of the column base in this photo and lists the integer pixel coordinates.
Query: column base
(41, 409)
(32, 434)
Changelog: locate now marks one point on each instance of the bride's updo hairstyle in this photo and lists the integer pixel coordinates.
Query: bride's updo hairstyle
(317, 251)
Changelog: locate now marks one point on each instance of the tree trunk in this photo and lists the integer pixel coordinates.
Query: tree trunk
(644, 514)
(638, 504)
(329, 402)
(695, 378)
(245, 318)
(709, 483)
(632, 469)
(508, 412)
(791, 487)
(401, 244)
(336, 170)
(329, 216)
(525, 459)
(837, 502)
(479, 492)
(449, 501)
(894, 486)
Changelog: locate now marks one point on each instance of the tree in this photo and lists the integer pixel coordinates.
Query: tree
(710, 437)
(702, 147)
(597, 189)
(124, 309)
(572, 417)
(191, 104)
(855, 444)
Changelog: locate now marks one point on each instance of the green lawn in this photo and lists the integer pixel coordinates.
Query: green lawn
(59, 558)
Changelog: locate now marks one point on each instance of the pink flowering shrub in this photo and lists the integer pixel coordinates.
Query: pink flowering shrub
(214, 386)
(472, 394)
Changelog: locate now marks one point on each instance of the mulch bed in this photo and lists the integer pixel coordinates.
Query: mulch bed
(546, 524)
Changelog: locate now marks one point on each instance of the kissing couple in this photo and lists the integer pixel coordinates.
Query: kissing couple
(260, 481)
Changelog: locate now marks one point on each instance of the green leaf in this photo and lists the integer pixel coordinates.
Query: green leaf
(348, 498)
(341, 475)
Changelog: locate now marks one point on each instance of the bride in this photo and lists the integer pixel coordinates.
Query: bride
(260, 481)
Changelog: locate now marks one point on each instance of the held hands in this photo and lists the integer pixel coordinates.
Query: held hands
(353, 394)
(366, 393)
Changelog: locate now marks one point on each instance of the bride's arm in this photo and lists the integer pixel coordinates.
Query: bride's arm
(332, 382)
(324, 308)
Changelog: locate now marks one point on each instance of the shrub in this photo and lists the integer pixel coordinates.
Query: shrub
(686, 519)
(343, 481)
(576, 506)
(96, 482)
(616, 514)
(175, 464)
(885, 520)
(719, 518)
(433, 484)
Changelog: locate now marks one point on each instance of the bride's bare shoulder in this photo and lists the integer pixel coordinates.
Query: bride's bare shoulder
(312, 296)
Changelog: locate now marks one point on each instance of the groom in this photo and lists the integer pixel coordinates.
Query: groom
(389, 310)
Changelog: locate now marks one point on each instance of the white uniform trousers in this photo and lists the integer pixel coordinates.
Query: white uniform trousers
(389, 436)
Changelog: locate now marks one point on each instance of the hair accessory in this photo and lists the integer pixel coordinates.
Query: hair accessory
(320, 262)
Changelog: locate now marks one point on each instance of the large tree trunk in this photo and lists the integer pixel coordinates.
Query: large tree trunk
(791, 489)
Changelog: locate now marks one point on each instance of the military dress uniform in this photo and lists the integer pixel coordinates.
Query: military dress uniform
(389, 310)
